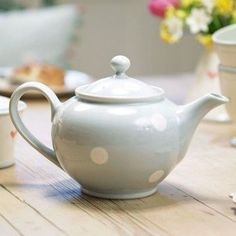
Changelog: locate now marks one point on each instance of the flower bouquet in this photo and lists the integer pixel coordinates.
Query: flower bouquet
(201, 18)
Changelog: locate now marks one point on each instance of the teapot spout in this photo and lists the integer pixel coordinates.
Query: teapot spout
(191, 114)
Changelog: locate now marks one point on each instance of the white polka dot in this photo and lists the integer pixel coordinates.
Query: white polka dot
(159, 122)
(99, 155)
(154, 177)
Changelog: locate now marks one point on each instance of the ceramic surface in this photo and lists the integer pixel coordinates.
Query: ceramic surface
(207, 80)
(118, 137)
(7, 133)
(225, 45)
(228, 87)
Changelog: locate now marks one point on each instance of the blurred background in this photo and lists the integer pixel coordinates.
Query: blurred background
(86, 34)
(66, 44)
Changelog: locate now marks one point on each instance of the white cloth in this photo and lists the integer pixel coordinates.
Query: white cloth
(36, 34)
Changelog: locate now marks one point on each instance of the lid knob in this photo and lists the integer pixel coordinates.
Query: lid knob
(120, 64)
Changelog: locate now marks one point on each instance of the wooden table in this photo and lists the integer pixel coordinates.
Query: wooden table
(37, 198)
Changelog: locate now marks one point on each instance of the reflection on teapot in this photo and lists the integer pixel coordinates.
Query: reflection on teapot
(118, 137)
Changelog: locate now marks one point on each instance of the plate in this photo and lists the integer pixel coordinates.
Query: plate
(73, 79)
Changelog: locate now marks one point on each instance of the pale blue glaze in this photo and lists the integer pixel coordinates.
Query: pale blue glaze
(136, 148)
(117, 146)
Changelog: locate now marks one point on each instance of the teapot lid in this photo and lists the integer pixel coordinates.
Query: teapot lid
(4, 105)
(119, 88)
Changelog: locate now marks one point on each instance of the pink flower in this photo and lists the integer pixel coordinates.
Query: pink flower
(158, 7)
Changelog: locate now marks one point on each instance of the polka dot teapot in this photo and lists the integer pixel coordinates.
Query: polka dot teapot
(118, 137)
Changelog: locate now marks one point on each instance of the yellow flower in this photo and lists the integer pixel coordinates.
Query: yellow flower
(170, 11)
(165, 35)
(187, 3)
(181, 14)
(171, 29)
(224, 6)
(234, 16)
(205, 40)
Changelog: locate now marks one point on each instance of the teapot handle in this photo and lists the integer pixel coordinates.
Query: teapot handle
(26, 134)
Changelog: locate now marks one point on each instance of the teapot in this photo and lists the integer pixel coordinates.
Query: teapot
(118, 137)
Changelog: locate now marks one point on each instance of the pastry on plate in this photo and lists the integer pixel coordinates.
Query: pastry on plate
(45, 73)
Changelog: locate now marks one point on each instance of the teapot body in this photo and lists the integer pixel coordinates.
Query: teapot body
(116, 150)
(118, 137)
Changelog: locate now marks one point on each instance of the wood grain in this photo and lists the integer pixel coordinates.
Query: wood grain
(7, 228)
(38, 198)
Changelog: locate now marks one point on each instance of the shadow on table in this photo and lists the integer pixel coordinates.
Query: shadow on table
(165, 196)
(68, 191)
